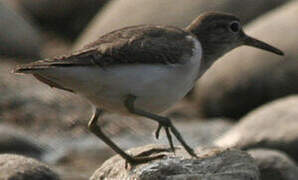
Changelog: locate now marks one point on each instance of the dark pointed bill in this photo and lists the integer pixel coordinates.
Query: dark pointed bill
(249, 41)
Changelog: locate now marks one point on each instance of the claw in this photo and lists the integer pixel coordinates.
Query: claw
(168, 133)
(183, 143)
(141, 160)
(169, 128)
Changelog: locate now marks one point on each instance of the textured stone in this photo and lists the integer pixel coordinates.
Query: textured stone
(273, 126)
(247, 77)
(15, 167)
(215, 164)
(274, 165)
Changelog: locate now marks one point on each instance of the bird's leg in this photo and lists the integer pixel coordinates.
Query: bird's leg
(95, 129)
(164, 122)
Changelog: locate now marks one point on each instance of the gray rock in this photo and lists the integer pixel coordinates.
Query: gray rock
(247, 78)
(18, 36)
(273, 126)
(215, 164)
(274, 165)
(67, 17)
(15, 167)
(121, 13)
(12, 140)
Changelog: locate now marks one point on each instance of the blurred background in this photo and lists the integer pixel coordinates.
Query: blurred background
(51, 125)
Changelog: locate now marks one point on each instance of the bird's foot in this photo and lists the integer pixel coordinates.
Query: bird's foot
(146, 156)
(170, 128)
(136, 160)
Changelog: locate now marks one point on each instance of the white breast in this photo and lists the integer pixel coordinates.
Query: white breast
(157, 87)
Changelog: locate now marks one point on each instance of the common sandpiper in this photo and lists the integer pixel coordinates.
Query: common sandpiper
(143, 70)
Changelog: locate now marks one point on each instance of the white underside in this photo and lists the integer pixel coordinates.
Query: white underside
(156, 86)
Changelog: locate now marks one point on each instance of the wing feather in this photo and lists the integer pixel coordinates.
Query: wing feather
(138, 44)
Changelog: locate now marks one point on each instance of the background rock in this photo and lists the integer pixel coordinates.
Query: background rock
(19, 37)
(121, 13)
(274, 165)
(35, 107)
(15, 167)
(66, 17)
(12, 140)
(247, 77)
(273, 126)
(212, 164)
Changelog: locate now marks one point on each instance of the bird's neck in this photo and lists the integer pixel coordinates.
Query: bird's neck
(210, 53)
(212, 47)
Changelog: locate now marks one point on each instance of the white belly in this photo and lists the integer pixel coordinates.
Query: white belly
(156, 87)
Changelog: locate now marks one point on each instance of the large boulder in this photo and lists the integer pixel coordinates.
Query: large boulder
(121, 13)
(273, 126)
(247, 77)
(216, 164)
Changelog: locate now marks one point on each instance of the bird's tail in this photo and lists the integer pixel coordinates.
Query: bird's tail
(80, 59)
(37, 66)
(27, 69)
(36, 69)
(33, 67)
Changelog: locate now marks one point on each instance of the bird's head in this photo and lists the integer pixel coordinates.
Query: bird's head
(219, 33)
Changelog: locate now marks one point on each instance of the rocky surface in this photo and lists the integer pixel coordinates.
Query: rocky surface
(274, 165)
(273, 126)
(19, 36)
(15, 167)
(247, 77)
(211, 164)
(121, 13)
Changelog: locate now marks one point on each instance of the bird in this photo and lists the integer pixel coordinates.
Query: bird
(143, 70)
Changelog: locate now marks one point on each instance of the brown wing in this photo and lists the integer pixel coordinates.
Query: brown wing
(138, 44)
(144, 44)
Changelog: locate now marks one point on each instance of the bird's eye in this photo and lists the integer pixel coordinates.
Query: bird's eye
(235, 26)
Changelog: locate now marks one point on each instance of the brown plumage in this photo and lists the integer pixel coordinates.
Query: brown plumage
(145, 44)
